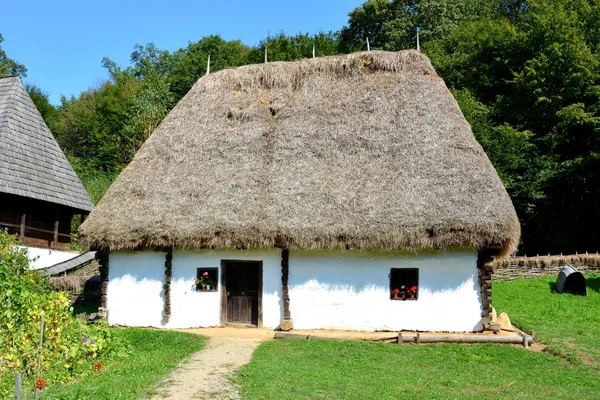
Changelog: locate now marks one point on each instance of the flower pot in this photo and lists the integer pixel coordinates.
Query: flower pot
(203, 287)
(412, 296)
(395, 295)
(207, 287)
(403, 296)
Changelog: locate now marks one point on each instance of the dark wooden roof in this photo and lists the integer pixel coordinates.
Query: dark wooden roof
(31, 162)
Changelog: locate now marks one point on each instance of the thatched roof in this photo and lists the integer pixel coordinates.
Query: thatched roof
(362, 151)
(31, 162)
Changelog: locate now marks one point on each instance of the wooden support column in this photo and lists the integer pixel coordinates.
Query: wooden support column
(103, 259)
(484, 271)
(22, 232)
(167, 286)
(56, 223)
(286, 324)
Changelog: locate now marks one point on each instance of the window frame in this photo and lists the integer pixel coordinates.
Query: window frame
(404, 276)
(213, 274)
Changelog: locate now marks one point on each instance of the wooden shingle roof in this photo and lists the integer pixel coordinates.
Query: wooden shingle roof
(31, 162)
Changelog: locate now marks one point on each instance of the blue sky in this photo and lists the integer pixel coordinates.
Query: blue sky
(62, 42)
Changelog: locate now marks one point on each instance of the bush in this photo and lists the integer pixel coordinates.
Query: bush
(71, 348)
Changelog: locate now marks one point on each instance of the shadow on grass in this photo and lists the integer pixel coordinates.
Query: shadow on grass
(590, 283)
(594, 284)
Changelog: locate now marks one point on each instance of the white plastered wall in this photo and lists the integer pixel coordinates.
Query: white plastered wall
(136, 296)
(328, 290)
(135, 288)
(350, 290)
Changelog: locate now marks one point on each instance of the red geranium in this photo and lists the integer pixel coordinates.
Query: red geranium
(40, 384)
(98, 367)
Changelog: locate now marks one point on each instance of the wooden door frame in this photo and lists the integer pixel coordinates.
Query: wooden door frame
(224, 289)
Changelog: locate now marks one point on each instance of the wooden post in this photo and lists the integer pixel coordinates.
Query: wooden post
(286, 324)
(400, 338)
(41, 345)
(18, 384)
(418, 338)
(525, 341)
(56, 232)
(484, 271)
(22, 233)
(103, 260)
(167, 286)
(285, 273)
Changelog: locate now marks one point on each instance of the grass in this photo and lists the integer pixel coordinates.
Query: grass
(568, 324)
(155, 353)
(292, 369)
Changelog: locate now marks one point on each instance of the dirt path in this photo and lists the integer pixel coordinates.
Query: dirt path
(206, 375)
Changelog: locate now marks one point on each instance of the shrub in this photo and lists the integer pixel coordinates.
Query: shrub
(71, 347)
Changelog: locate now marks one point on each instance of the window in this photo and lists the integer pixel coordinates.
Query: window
(207, 279)
(404, 283)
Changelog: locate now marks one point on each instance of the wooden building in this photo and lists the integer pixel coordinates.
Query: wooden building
(39, 191)
(343, 192)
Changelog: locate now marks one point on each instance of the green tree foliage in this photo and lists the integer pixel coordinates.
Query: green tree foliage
(40, 99)
(8, 66)
(392, 25)
(190, 64)
(537, 71)
(526, 74)
(92, 127)
(290, 48)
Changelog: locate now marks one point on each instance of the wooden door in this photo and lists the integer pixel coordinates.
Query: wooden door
(243, 291)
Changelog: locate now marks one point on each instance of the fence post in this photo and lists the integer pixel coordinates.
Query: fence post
(18, 387)
(39, 363)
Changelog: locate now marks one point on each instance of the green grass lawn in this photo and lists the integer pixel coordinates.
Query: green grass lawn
(293, 369)
(569, 324)
(154, 354)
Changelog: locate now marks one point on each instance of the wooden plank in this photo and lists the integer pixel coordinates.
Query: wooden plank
(474, 339)
(55, 232)
(285, 273)
(285, 335)
(259, 322)
(23, 217)
(223, 293)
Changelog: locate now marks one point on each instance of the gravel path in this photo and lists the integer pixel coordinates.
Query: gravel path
(206, 375)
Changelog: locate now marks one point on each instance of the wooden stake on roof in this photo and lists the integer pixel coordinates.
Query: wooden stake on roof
(208, 65)
(266, 48)
(368, 45)
(314, 51)
(418, 44)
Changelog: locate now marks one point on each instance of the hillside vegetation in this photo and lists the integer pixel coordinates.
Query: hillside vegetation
(525, 73)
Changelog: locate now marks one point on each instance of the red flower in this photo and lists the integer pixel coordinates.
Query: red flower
(414, 288)
(40, 384)
(396, 291)
(98, 367)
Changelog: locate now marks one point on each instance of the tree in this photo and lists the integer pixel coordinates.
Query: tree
(534, 68)
(9, 66)
(392, 25)
(190, 64)
(289, 48)
(40, 99)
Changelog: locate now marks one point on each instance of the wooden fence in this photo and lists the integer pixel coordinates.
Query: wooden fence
(513, 268)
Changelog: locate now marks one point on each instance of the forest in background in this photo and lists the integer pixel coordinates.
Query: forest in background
(526, 75)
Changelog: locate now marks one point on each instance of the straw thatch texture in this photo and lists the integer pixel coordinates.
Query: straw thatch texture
(367, 150)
